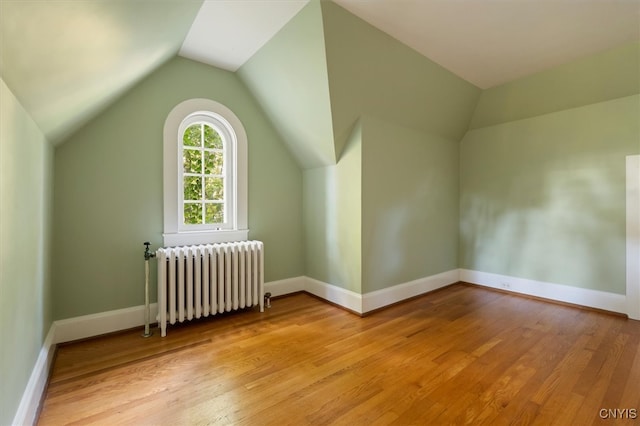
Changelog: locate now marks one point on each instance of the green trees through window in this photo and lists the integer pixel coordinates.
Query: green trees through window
(203, 162)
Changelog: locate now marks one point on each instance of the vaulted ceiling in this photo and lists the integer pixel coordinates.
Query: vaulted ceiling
(66, 60)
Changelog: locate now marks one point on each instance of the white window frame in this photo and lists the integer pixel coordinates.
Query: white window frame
(175, 233)
(228, 137)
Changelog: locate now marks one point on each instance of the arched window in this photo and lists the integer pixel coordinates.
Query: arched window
(205, 175)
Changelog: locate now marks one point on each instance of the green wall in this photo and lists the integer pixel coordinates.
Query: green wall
(288, 76)
(108, 190)
(608, 75)
(543, 174)
(26, 160)
(373, 74)
(398, 220)
(409, 204)
(333, 219)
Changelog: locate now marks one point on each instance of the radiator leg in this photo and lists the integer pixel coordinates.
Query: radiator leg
(267, 300)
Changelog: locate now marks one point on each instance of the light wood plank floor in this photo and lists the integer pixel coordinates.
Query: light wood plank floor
(461, 355)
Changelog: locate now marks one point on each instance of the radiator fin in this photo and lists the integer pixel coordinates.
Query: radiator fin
(198, 281)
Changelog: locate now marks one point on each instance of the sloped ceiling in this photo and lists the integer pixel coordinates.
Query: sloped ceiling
(226, 34)
(289, 78)
(491, 42)
(65, 60)
(487, 43)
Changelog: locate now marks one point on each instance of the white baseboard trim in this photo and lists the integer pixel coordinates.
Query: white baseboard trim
(121, 319)
(92, 325)
(346, 298)
(106, 322)
(32, 395)
(363, 303)
(562, 293)
(388, 296)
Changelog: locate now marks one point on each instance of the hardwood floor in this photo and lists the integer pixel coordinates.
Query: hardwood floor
(461, 355)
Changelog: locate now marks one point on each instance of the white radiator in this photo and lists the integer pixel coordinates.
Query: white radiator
(198, 281)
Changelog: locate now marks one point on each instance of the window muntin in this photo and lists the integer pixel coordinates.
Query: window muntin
(203, 178)
(206, 178)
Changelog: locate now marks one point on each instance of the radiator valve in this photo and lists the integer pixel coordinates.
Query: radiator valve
(267, 300)
(147, 254)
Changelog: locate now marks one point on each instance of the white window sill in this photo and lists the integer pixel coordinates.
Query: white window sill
(204, 237)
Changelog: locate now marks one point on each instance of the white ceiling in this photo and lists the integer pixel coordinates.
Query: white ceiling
(226, 33)
(486, 42)
(490, 42)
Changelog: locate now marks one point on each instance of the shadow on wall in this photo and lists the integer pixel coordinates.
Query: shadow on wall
(332, 222)
(544, 198)
(410, 205)
(413, 236)
(557, 224)
(340, 250)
